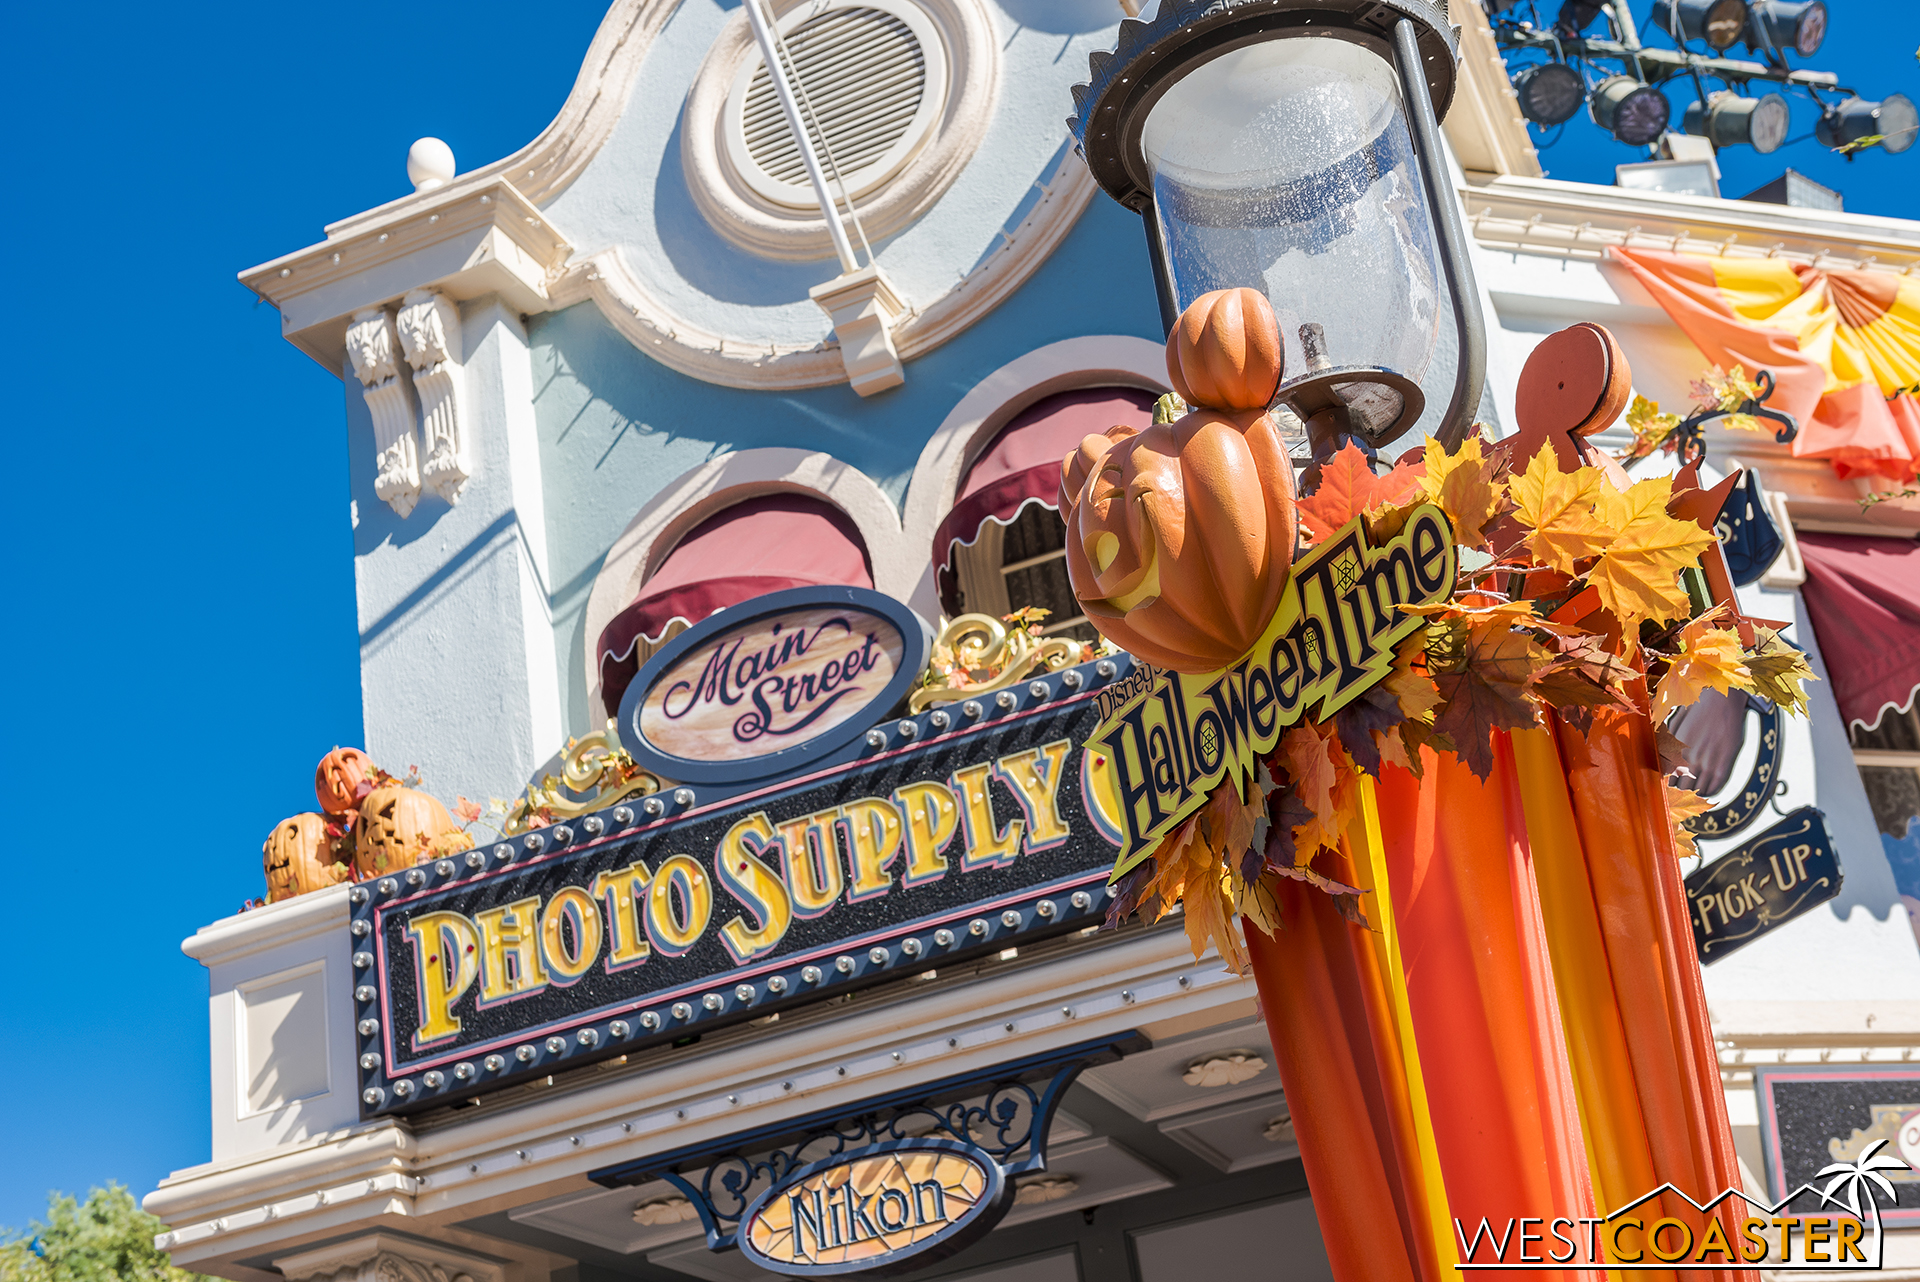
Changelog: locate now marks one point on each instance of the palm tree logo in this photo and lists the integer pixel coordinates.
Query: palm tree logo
(1854, 1182)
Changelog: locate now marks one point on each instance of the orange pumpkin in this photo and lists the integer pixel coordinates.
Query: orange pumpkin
(1180, 538)
(1225, 353)
(298, 858)
(338, 778)
(397, 829)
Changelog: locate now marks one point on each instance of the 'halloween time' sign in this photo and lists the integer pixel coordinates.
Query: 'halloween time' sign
(958, 832)
(1173, 737)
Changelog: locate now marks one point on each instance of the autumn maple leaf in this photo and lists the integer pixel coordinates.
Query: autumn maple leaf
(1778, 671)
(1348, 488)
(1638, 571)
(1309, 761)
(1415, 691)
(1558, 507)
(1487, 691)
(1709, 659)
(1682, 805)
(466, 811)
(1465, 485)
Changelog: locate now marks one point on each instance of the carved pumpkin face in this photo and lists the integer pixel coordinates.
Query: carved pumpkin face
(298, 858)
(1225, 353)
(1180, 538)
(397, 828)
(338, 778)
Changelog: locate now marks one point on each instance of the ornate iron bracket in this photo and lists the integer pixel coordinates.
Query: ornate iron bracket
(1748, 801)
(1004, 1112)
(1690, 443)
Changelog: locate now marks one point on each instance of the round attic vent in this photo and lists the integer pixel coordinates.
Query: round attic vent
(870, 79)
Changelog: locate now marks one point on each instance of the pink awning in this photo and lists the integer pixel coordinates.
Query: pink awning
(761, 545)
(1863, 595)
(1022, 464)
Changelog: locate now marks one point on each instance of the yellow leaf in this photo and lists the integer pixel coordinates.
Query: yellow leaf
(1709, 659)
(1393, 748)
(1463, 484)
(1558, 507)
(1637, 576)
(1645, 418)
(1414, 691)
(1683, 805)
(1779, 672)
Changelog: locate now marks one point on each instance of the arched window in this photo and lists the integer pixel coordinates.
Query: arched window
(1002, 547)
(757, 546)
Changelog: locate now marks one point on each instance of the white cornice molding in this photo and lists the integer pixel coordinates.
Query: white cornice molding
(1484, 127)
(1541, 216)
(323, 912)
(464, 242)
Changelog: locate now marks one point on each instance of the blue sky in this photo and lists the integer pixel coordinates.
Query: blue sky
(180, 515)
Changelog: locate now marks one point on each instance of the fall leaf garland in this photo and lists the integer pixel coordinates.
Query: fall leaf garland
(1572, 605)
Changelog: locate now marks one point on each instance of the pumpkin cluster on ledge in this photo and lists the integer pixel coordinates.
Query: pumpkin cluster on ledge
(369, 823)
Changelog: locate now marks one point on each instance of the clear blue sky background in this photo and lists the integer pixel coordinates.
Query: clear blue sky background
(181, 645)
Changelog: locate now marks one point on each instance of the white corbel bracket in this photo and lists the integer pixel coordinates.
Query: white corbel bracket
(374, 348)
(430, 333)
(864, 309)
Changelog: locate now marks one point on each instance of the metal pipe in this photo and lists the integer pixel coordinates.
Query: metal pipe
(1162, 273)
(1471, 371)
(777, 73)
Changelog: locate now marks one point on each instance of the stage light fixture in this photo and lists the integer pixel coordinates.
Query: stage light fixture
(1550, 93)
(1633, 112)
(1799, 25)
(1728, 120)
(1893, 119)
(1718, 22)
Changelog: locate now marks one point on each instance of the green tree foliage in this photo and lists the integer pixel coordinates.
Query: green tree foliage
(106, 1239)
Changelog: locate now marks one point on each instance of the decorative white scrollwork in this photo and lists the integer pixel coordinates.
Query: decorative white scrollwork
(430, 332)
(373, 347)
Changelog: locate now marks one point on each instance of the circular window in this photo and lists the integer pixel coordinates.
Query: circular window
(867, 87)
(896, 94)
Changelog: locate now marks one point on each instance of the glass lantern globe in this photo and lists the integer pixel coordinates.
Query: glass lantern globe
(1292, 146)
(1289, 166)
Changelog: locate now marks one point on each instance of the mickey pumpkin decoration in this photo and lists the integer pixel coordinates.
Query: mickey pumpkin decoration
(342, 778)
(299, 857)
(400, 827)
(1180, 537)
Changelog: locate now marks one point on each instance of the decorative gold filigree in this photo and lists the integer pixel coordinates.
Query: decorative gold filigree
(596, 766)
(978, 654)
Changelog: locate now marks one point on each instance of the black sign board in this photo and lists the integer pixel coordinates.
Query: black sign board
(1814, 1115)
(962, 831)
(1786, 871)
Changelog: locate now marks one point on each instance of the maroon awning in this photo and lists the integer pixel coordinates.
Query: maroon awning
(758, 546)
(1863, 595)
(1022, 464)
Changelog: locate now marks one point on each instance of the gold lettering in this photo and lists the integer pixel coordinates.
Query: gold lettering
(569, 965)
(748, 879)
(510, 950)
(873, 839)
(623, 890)
(931, 818)
(674, 932)
(1034, 776)
(444, 958)
(987, 846)
(810, 862)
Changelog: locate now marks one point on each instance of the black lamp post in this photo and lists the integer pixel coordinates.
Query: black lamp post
(1292, 146)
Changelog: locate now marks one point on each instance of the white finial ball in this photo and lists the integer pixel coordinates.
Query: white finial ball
(429, 164)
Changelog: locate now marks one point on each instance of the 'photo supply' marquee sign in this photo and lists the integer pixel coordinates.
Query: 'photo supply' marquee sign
(951, 834)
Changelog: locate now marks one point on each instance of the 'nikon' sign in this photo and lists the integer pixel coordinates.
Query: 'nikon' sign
(1172, 737)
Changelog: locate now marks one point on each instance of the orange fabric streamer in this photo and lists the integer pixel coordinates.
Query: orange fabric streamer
(1481, 986)
(1843, 347)
(1633, 934)
(1328, 1013)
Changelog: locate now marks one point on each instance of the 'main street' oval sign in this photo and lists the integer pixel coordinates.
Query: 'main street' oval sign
(772, 685)
(882, 1209)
